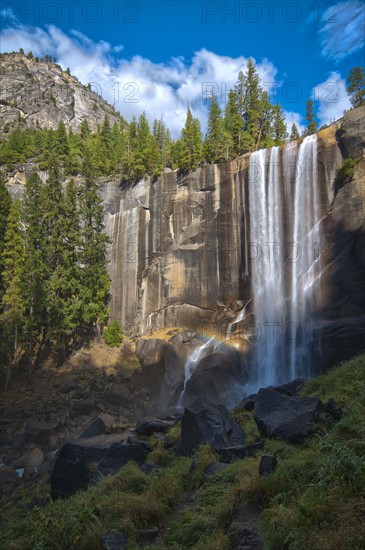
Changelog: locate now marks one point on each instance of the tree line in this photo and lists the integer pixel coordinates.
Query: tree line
(132, 150)
(53, 276)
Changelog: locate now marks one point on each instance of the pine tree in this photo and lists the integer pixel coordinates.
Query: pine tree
(294, 134)
(234, 123)
(61, 141)
(12, 317)
(218, 142)
(310, 118)
(5, 204)
(94, 277)
(253, 111)
(279, 125)
(189, 148)
(355, 86)
(35, 268)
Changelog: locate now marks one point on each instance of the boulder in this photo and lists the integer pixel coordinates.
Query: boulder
(291, 389)
(215, 377)
(290, 418)
(31, 459)
(114, 541)
(100, 426)
(248, 403)
(161, 373)
(73, 468)
(208, 423)
(147, 426)
(148, 534)
(229, 454)
(214, 468)
(267, 465)
(117, 456)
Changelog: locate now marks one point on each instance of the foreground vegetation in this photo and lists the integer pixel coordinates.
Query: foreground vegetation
(314, 499)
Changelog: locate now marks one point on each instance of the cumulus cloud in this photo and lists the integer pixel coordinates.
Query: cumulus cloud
(332, 98)
(137, 84)
(343, 30)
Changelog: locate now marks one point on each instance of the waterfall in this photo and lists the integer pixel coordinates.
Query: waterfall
(306, 268)
(240, 317)
(267, 266)
(285, 242)
(190, 365)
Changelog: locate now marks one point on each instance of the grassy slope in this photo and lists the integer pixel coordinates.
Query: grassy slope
(314, 499)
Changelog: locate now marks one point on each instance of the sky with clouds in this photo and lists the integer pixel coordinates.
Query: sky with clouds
(158, 56)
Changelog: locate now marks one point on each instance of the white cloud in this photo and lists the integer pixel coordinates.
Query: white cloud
(157, 88)
(343, 31)
(332, 98)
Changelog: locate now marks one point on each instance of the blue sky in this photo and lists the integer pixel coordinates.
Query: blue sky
(158, 55)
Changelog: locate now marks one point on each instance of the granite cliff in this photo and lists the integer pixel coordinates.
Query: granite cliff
(41, 94)
(181, 245)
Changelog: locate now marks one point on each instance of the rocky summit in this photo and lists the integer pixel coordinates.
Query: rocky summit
(40, 94)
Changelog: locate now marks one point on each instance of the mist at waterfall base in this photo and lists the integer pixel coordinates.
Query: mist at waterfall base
(286, 244)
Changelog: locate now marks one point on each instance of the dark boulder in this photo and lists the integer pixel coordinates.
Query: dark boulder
(215, 468)
(100, 426)
(117, 456)
(229, 454)
(73, 469)
(290, 418)
(147, 426)
(114, 541)
(291, 389)
(208, 423)
(267, 465)
(148, 534)
(215, 377)
(248, 403)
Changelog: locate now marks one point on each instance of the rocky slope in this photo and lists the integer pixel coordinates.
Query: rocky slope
(41, 93)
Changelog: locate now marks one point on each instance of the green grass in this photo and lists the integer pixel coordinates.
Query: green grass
(314, 499)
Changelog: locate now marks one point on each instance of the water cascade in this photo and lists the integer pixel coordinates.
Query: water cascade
(240, 317)
(285, 243)
(190, 365)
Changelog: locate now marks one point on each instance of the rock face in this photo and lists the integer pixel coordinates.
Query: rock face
(41, 93)
(181, 245)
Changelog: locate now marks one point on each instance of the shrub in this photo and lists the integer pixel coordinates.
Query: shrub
(113, 334)
(345, 173)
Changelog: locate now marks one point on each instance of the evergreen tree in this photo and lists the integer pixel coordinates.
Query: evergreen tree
(94, 278)
(5, 204)
(84, 130)
(355, 86)
(233, 123)
(35, 268)
(12, 317)
(294, 134)
(310, 118)
(61, 141)
(279, 125)
(253, 111)
(189, 148)
(218, 142)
